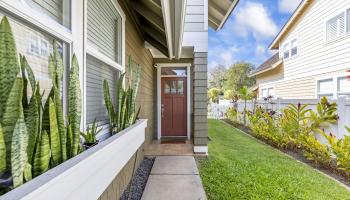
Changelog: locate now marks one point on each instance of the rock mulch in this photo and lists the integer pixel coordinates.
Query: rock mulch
(139, 180)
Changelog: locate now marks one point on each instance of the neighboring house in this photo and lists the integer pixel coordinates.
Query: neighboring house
(313, 54)
(168, 38)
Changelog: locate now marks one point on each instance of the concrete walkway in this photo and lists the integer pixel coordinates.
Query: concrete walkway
(174, 177)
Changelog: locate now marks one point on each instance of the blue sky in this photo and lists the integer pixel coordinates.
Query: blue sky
(248, 32)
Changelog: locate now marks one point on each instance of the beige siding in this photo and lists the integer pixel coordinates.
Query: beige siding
(316, 56)
(272, 75)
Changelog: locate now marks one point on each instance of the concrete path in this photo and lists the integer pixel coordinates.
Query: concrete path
(174, 177)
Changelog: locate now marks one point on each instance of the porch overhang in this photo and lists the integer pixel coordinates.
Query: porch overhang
(161, 24)
(219, 11)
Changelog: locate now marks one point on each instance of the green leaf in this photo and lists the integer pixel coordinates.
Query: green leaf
(25, 84)
(74, 104)
(54, 136)
(19, 145)
(42, 155)
(2, 151)
(27, 172)
(30, 73)
(58, 64)
(60, 122)
(32, 119)
(12, 112)
(9, 67)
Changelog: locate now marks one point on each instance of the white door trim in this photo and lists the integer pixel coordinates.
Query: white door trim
(159, 67)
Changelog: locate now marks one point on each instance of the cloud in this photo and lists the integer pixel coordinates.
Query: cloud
(288, 6)
(260, 50)
(222, 55)
(254, 18)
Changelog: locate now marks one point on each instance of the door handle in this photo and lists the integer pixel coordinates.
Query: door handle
(162, 110)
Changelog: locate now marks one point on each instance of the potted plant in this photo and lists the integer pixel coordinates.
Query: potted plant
(90, 136)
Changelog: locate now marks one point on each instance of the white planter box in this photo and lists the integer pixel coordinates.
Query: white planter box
(87, 175)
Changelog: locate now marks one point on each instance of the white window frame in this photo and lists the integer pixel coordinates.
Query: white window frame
(288, 43)
(335, 92)
(338, 86)
(346, 26)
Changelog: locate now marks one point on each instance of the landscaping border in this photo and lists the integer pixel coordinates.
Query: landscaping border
(298, 156)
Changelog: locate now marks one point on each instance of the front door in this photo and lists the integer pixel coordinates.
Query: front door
(174, 106)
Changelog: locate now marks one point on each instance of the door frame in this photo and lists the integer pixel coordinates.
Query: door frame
(159, 67)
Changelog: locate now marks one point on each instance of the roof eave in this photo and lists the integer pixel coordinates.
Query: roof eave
(267, 69)
(275, 43)
(228, 13)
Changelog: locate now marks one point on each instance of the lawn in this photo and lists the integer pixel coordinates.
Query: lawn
(240, 167)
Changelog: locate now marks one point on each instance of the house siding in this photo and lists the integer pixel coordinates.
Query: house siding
(194, 18)
(316, 57)
(200, 84)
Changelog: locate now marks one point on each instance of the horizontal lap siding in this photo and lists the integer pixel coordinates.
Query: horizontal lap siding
(200, 84)
(315, 55)
(194, 18)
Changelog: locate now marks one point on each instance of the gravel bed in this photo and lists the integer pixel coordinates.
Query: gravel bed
(139, 180)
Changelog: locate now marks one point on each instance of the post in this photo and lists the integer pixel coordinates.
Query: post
(343, 119)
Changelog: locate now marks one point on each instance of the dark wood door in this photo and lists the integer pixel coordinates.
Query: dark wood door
(174, 106)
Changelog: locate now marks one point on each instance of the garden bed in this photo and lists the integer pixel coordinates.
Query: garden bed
(87, 175)
(298, 155)
(139, 180)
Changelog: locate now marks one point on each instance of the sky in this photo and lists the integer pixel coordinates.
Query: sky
(249, 31)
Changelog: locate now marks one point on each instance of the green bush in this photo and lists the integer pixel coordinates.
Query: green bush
(297, 128)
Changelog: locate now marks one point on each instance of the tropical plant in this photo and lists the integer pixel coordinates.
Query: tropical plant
(213, 95)
(231, 95)
(231, 114)
(124, 113)
(91, 133)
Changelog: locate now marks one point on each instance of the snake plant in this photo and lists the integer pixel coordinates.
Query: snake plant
(124, 113)
(32, 133)
(90, 135)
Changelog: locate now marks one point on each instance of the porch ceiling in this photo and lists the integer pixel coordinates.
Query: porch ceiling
(219, 11)
(160, 23)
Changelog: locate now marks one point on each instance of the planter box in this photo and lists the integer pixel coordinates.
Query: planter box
(87, 175)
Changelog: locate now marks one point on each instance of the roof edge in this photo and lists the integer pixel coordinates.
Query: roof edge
(228, 13)
(267, 69)
(275, 43)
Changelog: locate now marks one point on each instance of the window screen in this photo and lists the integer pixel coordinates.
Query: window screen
(343, 87)
(294, 47)
(286, 51)
(271, 92)
(104, 29)
(348, 20)
(264, 93)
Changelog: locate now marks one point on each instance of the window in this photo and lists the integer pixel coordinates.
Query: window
(271, 92)
(294, 47)
(104, 29)
(28, 42)
(286, 51)
(104, 60)
(264, 93)
(58, 10)
(335, 27)
(343, 87)
(96, 73)
(325, 88)
(174, 71)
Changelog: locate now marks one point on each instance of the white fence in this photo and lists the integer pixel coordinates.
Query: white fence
(218, 111)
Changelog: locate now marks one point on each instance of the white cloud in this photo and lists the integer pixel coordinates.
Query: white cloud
(288, 6)
(260, 50)
(253, 17)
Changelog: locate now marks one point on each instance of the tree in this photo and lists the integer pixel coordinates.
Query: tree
(217, 77)
(245, 95)
(231, 95)
(237, 76)
(213, 95)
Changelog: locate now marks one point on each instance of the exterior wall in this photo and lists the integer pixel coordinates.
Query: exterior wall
(200, 84)
(115, 190)
(316, 56)
(195, 19)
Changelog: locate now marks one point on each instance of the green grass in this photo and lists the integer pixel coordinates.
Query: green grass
(240, 167)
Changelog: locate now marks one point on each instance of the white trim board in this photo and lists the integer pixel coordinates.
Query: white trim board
(159, 67)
